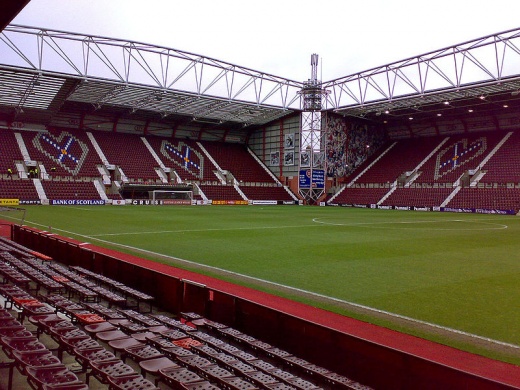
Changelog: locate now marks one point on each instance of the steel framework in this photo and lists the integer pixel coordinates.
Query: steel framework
(479, 67)
(312, 161)
(118, 73)
(140, 76)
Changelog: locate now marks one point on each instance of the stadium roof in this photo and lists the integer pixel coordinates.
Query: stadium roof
(44, 73)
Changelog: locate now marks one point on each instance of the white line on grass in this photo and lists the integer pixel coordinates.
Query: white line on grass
(200, 230)
(74, 207)
(498, 225)
(413, 320)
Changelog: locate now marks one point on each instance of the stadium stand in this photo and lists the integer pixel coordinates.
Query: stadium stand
(18, 189)
(236, 159)
(9, 154)
(220, 192)
(266, 192)
(398, 159)
(129, 154)
(459, 154)
(434, 170)
(471, 171)
(185, 158)
(418, 196)
(504, 166)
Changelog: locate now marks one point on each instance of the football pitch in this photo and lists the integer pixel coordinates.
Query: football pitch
(451, 278)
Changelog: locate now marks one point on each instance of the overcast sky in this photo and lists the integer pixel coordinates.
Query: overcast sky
(279, 36)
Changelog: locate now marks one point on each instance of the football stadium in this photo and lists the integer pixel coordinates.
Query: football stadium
(173, 221)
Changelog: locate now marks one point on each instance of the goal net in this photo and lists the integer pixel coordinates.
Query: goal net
(171, 197)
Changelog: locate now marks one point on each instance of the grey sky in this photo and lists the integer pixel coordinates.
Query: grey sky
(279, 37)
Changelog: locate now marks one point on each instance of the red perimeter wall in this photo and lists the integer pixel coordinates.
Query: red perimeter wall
(372, 355)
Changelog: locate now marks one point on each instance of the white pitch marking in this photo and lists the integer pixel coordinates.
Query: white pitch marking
(201, 230)
(500, 226)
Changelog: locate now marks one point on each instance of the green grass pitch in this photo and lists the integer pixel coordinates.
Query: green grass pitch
(457, 271)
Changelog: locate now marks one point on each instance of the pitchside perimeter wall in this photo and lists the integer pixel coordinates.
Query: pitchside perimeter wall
(372, 355)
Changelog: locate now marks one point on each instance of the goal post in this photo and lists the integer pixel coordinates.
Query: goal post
(171, 197)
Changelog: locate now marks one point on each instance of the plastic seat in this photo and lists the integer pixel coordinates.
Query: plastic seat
(131, 383)
(238, 384)
(215, 373)
(38, 321)
(39, 376)
(5, 313)
(111, 335)
(187, 343)
(141, 352)
(279, 386)
(105, 369)
(160, 342)
(9, 322)
(205, 385)
(85, 356)
(15, 331)
(301, 383)
(177, 352)
(71, 339)
(43, 358)
(152, 366)
(87, 318)
(177, 377)
(143, 336)
(77, 386)
(34, 308)
(174, 334)
(22, 344)
(132, 327)
(159, 328)
(194, 361)
(67, 333)
(82, 343)
(104, 326)
(120, 344)
(60, 328)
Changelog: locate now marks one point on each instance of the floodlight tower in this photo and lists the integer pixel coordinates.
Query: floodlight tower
(312, 164)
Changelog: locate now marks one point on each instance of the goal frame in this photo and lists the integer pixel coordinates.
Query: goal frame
(186, 199)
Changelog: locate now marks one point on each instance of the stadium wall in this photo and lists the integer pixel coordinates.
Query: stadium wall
(372, 355)
(274, 142)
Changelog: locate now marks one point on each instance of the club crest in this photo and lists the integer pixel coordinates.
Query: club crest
(457, 155)
(184, 157)
(65, 150)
